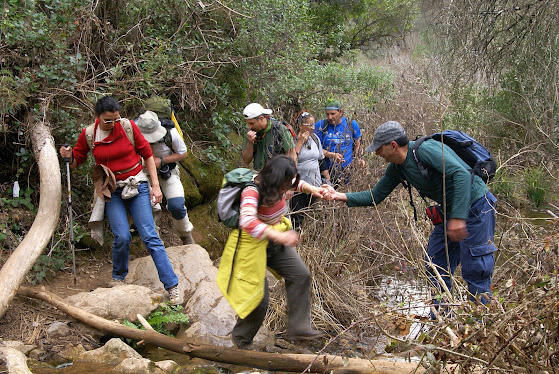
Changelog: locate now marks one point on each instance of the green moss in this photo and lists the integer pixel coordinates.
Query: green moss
(208, 177)
(192, 196)
(210, 234)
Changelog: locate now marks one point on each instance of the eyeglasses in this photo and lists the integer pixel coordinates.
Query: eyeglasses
(109, 121)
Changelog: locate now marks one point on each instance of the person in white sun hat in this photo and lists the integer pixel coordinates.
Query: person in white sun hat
(168, 149)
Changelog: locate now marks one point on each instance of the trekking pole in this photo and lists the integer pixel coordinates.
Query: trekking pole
(71, 239)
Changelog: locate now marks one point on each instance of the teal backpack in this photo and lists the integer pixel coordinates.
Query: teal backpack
(229, 196)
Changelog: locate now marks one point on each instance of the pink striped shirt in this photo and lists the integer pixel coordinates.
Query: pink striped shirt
(254, 218)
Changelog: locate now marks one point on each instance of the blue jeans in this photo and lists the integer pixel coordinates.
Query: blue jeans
(140, 210)
(475, 253)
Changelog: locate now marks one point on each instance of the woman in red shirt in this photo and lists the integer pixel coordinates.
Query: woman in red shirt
(112, 148)
(263, 206)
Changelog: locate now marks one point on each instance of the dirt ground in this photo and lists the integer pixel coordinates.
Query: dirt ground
(27, 320)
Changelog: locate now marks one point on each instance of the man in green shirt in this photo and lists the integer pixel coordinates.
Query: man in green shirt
(266, 137)
(470, 216)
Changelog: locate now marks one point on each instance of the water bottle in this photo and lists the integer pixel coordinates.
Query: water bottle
(15, 190)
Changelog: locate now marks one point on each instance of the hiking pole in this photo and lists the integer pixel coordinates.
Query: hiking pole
(71, 239)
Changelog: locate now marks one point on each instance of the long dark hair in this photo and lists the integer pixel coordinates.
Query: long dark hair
(278, 171)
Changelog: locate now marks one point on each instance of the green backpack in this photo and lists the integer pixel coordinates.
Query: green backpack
(229, 197)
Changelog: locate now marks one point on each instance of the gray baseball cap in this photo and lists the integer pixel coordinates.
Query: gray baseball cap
(386, 133)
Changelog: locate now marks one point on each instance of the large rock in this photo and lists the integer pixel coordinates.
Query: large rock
(190, 262)
(16, 362)
(208, 176)
(121, 302)
(137, 366)
(112, 353)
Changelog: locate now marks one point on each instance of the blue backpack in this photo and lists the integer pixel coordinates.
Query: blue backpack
(467, 148)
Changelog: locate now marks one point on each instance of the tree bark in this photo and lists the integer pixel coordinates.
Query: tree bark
(261, 360)
(20, 262)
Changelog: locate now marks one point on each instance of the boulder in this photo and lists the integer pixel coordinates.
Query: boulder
(71, 352)
(208, 176)
(137, 366)
(166, 365)
(112, 353)
(58, 329)
(210, 314)
(16, 362)
(20, 346)
(190, 262)
(120, 302)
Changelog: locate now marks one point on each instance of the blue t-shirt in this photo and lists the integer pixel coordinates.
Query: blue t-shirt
(338, 138)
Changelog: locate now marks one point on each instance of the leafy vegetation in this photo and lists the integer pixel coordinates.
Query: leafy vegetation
(161, 318)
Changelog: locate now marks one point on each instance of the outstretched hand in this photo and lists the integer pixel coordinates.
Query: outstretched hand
(331, 194)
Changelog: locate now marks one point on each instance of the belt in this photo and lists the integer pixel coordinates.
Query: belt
(126, 170)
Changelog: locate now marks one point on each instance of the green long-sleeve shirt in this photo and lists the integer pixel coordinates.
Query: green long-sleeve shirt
(461, 190)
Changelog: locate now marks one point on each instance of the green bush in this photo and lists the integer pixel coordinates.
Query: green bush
(536, 185)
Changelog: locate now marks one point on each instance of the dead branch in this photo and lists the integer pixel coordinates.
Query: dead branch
(20, 262)
(191, 347)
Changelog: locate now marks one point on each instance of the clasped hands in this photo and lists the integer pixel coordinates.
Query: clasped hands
(327, 192)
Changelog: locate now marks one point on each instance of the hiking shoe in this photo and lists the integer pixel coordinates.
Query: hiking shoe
(306, 335)
(187, 239)
(239, 344)
(116, 282)
(174, 295)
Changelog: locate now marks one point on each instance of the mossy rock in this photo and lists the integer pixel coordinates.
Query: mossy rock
(208, 177)
(208, 232)
(192, 195)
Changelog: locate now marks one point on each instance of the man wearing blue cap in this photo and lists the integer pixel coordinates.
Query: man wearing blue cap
(341, 142)
(470, 213)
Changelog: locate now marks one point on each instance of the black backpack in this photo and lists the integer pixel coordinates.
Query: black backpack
(467, 148)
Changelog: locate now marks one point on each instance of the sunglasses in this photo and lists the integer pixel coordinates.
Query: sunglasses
(109, 121)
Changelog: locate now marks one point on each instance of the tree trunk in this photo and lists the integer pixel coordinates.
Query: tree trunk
(46, 220)
(261, 360)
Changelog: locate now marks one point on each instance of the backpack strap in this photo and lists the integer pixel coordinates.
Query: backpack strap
(89, 135)
(276, 135)
(315, 138)
(127, 125)
(168, 140)
(425, 171)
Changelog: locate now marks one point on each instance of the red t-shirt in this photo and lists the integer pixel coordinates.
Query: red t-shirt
(115, 151)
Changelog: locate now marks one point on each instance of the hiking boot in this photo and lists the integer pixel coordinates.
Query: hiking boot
(187, 238)
(239, 344)
(116, 282)
(174, 295)
(310, 334)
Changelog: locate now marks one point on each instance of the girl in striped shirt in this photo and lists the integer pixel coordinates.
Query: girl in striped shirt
(262, 206)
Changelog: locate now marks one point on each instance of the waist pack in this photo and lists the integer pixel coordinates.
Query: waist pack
(229, 196)
(467, 148)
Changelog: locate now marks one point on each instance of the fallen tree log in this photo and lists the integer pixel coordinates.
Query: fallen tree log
(22, 259)
(260, 360)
